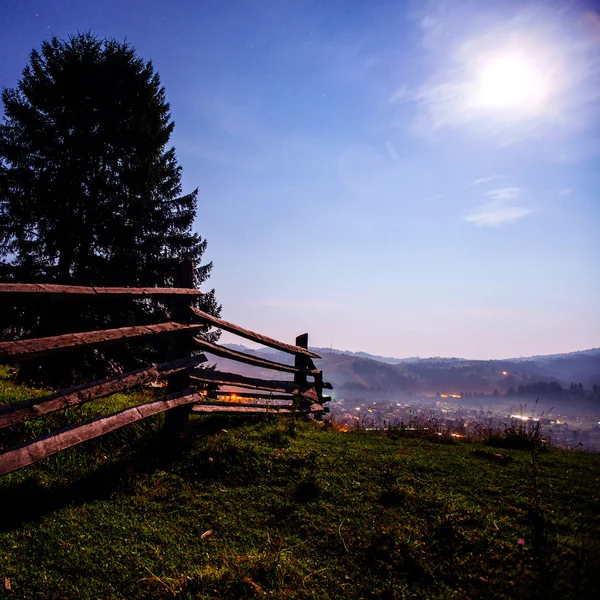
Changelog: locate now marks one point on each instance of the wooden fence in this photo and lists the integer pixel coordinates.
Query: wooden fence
(189, 388)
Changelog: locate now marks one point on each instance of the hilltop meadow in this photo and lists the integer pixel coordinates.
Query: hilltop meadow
(256, 507)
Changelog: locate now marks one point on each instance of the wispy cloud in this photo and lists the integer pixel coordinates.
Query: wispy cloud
(482, 180)
(494, 215)
(502, 206)
(401, 93)
(565, 192)
(505, 193)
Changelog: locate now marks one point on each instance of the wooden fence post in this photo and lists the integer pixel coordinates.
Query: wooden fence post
(319, 390)
(181, 345)
(302, 362)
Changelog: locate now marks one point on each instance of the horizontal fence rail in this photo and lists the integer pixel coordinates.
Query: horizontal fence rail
(253, 406)
(251, 335)
(27, 349)
(221, 378)
(225, 392)
(268, 396)
(189, 387)
(248, 358)
(50, 288)
(47, 445)
(223, 409)
(251, 402)
(10, 414)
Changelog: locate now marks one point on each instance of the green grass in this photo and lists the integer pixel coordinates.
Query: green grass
(12, 392)
(295, 512)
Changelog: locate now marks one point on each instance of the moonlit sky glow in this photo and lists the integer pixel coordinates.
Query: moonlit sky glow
(511, 81)
(403, 178)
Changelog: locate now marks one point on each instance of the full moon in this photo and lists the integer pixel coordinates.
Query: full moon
(511, 80)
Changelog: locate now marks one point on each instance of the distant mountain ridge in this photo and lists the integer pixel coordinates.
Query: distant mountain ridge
(360, 374)
(385, 359)
(394, 360)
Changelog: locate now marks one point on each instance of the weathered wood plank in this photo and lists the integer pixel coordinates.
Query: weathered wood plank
(217, 382)
(261, 396)
(311, 394)
(26, 349)
(222, 378)
(248, 409)
(257, 395)
(308, 393)
(247, 403)
(249, 359)
(251, 335)
(205, 408)
(31, 452)
(50, 288)
(32, 408)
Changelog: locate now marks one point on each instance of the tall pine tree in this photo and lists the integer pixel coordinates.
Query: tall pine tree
(90, 192)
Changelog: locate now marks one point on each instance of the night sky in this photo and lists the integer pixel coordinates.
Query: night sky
(403, 178)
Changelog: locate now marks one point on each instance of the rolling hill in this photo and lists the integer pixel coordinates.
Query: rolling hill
(356, 375)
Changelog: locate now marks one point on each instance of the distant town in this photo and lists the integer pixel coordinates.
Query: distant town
(559, 393)
(446, 413)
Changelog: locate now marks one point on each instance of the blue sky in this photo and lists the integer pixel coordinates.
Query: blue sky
(403, 178)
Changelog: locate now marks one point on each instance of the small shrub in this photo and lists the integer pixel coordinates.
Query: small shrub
(517, 435)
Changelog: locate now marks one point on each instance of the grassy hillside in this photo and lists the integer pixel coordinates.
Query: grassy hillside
(248, 508)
